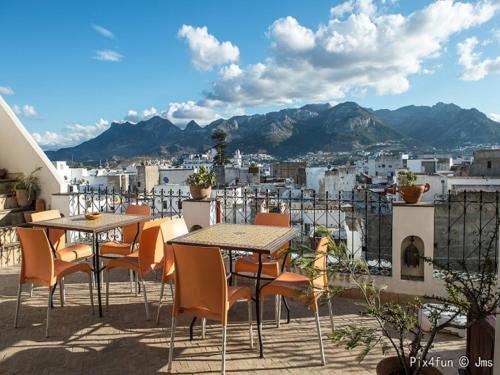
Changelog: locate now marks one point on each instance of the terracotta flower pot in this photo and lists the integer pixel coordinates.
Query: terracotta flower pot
(24, 199)
(199, 193)
(392, 366)
(413, 194)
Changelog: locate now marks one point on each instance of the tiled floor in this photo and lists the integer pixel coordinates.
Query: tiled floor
(124, 342)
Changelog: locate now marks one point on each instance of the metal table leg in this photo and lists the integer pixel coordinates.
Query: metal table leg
(191, 326)
(257, 306)
(97, 272)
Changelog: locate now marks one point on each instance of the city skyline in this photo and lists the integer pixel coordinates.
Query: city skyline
(74, 69)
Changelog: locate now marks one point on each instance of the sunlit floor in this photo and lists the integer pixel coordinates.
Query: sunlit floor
(124, 342)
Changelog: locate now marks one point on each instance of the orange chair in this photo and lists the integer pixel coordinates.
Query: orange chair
(271, 264)
(129, 234)
(201, 290)
(169, 229)
(143, 261)
(302, 288)
(40, 268)
(57, 238)
(130, 238)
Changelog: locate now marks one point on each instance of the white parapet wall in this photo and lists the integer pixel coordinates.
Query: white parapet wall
(19, 153)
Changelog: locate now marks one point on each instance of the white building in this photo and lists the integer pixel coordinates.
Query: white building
(175, 175)
(382, 169)
(315, 178)
(340, 179)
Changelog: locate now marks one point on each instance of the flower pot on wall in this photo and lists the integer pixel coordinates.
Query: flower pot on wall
(200, 193)
(413, 194)
(23, 198)
(392, 366)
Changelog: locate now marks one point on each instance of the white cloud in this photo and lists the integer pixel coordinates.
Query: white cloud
(475, 69)
(108, 55)
(341, 9)
(103, 31)
(134, 116)
(494, 116)
(181, 113)
(71, 135)
(26, 110)
(367, 49)
(287, 32)
(5, 90)
(205, 49)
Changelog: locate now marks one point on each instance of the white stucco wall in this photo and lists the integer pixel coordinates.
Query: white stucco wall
(19, 153)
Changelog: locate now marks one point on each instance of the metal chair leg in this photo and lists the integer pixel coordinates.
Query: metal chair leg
(61, 291)
(159, 303)
(146, 305)
(91, 293)
(172, 340)
(172, 290)
(107, 289)
(131, 281)
(277, 310)
(223, 369)
(18, 305)
(49, 306)
(203, 327)
(250, 328)
(330, 311)
(320, 339)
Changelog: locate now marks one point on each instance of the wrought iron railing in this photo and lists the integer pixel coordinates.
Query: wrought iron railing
(360, 218)
(465, 223)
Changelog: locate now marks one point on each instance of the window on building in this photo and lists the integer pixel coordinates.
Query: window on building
(488, 164)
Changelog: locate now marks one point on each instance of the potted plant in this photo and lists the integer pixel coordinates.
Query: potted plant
(409, 191)
(26, 189)
(200, 183)
(398, 328)
(253, 168)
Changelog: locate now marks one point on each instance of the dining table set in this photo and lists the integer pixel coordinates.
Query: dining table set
(260, 240)
(202, 266)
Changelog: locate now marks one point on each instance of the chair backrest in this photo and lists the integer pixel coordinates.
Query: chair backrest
(37, 260)
(200, 282)
(171, 229)
(57, 237)
(320, 264)
(129, 231)
(151, 245)
(274, 219)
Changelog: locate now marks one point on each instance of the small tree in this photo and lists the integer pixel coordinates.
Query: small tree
(397, 326)
(219, 137)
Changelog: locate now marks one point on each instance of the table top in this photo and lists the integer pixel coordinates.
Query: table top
(79, 223)
(262, 239)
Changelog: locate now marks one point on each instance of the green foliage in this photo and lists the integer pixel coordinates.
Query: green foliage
(204, 178)
(406, 178)
(219, 137)
(30, 183)
(397, 327)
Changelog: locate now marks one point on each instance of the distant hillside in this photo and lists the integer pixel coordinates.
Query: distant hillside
(442, 125)
(289, 132)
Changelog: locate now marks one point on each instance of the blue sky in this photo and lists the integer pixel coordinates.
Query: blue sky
(71, 68)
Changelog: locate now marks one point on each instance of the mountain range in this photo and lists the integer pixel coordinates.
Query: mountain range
(295, 131)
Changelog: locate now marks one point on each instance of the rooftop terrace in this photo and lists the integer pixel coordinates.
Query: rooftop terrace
(123, 340)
